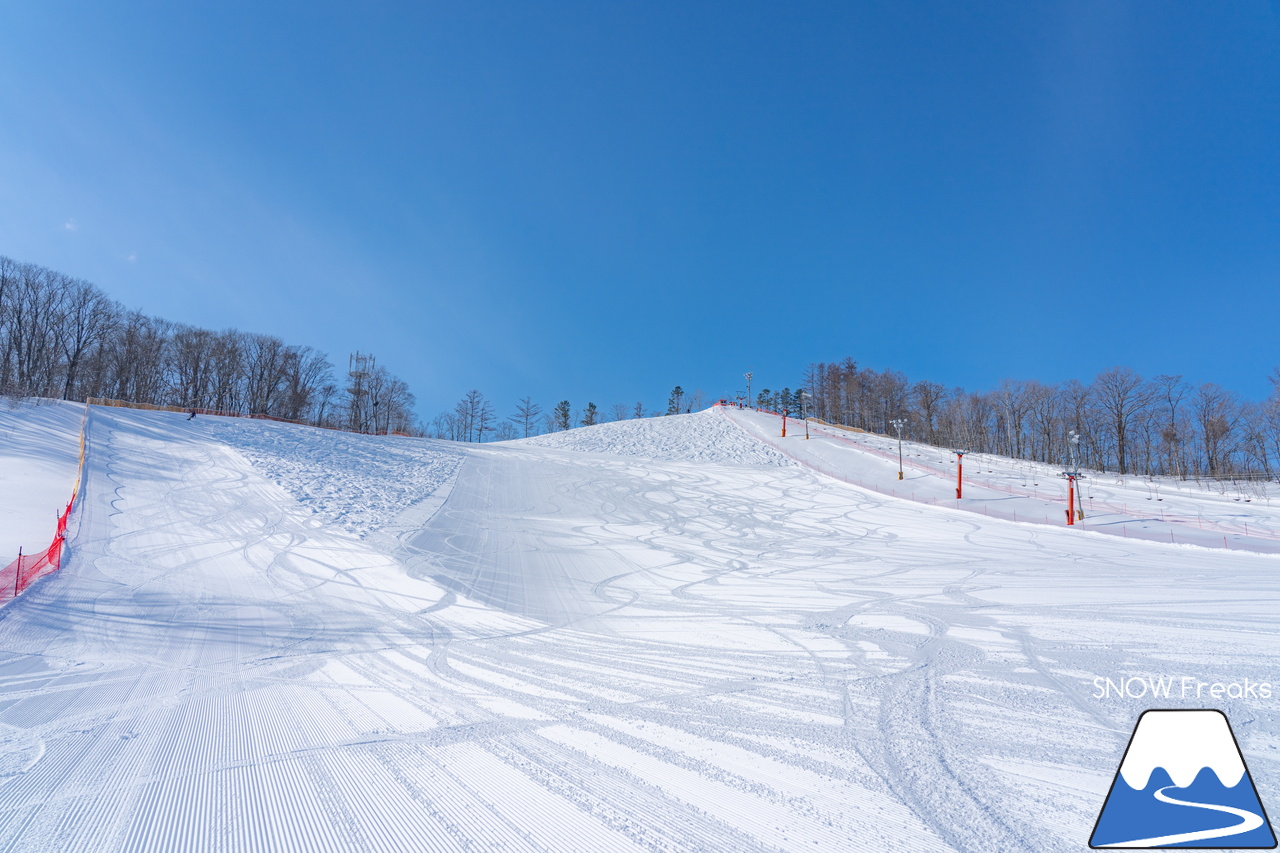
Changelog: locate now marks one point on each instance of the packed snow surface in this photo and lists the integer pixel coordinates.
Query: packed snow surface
(39, 454)
(270, 640)
(357, 482)
(697, 437)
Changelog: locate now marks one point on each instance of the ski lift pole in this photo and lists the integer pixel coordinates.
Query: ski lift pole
(1073, 515)
(1071, 500)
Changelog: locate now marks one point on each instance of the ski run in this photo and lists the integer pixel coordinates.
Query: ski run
(673, 634)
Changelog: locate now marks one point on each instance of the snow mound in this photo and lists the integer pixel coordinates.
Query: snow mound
(705, 436)
(358, 482)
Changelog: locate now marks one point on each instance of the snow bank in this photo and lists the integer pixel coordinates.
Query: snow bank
(705, 436)
(358, 482)
(39, 453)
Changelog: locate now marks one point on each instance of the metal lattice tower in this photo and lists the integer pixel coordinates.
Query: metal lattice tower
(359, 368)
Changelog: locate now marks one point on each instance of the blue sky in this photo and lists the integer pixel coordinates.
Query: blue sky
(596, 201)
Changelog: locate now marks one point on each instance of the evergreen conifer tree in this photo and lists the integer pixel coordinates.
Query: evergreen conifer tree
(674, 401)
(563, 415)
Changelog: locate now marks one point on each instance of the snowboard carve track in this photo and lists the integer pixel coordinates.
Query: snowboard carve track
(750, 657)
(917, 760)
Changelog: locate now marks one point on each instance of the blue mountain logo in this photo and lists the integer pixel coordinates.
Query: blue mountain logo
(1183, 783)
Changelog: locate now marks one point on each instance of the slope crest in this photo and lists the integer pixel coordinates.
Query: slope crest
(705, 436)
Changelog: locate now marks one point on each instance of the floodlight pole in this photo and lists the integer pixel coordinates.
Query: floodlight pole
(804, 412)
(959, 472)
(898, 424)
(747, 375)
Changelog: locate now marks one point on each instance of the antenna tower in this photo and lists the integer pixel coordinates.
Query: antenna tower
(359, 368)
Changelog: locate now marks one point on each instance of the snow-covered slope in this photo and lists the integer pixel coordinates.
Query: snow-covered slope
(1209, 515)
(39, 454)
(359, 482)
(551, 650)
(698, 437)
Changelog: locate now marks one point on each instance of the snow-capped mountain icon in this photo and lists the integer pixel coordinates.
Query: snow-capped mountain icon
(1183, 783)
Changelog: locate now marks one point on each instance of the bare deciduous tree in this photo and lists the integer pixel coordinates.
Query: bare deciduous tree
(63, 337)
(526, 415)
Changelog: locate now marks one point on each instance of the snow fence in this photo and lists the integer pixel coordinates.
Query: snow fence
(29, 568)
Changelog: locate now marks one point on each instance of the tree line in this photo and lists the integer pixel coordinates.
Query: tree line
(1118, 422)
(475, 419)
(63, 337)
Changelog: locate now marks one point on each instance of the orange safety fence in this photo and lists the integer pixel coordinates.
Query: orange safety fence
(29, 568)
(186, 410)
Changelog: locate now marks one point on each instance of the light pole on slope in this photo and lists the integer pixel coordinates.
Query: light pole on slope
(898, 424)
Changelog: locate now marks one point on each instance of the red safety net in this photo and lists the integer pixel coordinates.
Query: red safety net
(29, 568)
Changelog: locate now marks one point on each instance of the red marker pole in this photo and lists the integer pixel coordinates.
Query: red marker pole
(784, 423)
(959, 474)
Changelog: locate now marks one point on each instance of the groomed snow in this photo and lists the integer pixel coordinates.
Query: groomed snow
(582, 651)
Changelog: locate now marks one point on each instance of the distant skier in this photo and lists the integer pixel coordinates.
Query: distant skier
(192, 415)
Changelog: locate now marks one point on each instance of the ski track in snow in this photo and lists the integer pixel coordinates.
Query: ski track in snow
(620, 643)
(357, 482)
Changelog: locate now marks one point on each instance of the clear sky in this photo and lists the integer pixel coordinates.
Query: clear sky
(599, 200)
